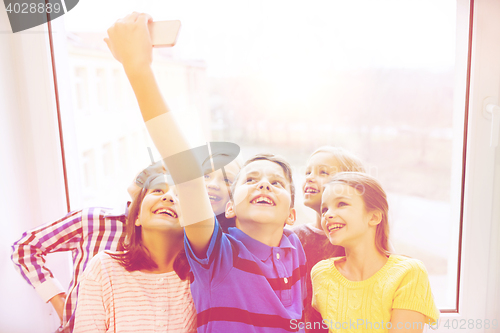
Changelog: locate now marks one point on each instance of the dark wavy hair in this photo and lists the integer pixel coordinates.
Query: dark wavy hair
(136, 256)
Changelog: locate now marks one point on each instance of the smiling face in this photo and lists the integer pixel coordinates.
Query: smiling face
(158, 211)
(262, 195)
(344, 217)
(218, 186)
(321, 167)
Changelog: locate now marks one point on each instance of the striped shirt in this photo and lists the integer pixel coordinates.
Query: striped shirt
(85, 233)
(244, 285)
(111, 299)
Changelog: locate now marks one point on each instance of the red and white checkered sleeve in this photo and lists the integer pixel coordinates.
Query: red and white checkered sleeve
(28, 253)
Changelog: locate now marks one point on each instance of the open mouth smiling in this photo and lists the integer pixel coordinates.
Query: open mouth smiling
(214, 198)
(166, 211)
(310, 190)
(263, 200)
(334, 227)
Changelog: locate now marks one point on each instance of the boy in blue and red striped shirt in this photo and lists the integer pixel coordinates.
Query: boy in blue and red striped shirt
(252, 279)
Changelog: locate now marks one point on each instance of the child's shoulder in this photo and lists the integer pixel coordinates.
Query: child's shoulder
(407, 265)
(99, 258)
(290, 233)
(105, 259)
(292, 237)
(97, 265)
(326, 265)
(305, 231)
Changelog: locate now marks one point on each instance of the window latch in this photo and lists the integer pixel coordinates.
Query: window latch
(494, 110)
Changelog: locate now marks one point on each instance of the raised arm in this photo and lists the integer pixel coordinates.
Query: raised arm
(130, 43)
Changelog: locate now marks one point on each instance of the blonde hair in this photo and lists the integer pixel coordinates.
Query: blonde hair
(347, 160)
(374, 198)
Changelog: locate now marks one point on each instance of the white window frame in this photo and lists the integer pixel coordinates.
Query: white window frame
(480, 265)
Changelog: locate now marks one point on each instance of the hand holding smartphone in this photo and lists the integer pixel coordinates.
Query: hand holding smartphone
(164, 33)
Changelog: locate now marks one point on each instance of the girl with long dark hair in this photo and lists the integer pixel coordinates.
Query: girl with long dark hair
(145, 287)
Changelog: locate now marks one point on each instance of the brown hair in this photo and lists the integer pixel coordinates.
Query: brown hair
(374, 198)
(136, 256)
(347, 160)
(287, 170)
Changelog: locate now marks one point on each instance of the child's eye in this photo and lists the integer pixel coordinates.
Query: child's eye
(308, 173)
(277, 183)
(157, 190)
(323, 211)
(228, 181)
(341, 204)
(207, 176)
(250, 179)
(323, 172)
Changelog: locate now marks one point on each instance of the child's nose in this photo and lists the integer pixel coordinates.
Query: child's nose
(264, 185)
(168, 197)
(213, 184)
(328, 215)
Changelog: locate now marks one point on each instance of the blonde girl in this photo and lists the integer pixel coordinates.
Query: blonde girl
(369, 289)
(321, 166)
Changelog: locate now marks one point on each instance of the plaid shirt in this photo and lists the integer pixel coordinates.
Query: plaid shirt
(85, 233)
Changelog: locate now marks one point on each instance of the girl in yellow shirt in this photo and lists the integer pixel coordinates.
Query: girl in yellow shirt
(370, 289)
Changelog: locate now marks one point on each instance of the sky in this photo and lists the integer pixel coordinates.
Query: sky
(280, 37)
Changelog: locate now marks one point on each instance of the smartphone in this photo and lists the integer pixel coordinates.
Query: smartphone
(164, 33)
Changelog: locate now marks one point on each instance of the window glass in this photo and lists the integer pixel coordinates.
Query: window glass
(375, 77)
(81, 85)
(101, 89)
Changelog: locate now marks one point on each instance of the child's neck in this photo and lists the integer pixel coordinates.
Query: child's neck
(163, 249)
(318, 221)
(269, 234)
(362, 261)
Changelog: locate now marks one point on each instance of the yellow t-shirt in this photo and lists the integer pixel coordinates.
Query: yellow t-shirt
(366, 306)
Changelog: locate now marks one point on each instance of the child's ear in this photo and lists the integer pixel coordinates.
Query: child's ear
(291, 217)
(376, 218)
(230, 209)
